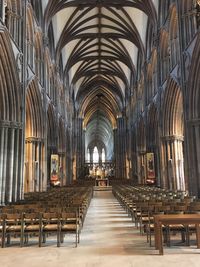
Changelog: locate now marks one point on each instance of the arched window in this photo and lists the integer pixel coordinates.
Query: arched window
(103, 155)
(95, 155)
(88, 155)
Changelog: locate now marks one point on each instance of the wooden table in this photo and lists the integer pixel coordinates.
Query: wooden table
(167, 219)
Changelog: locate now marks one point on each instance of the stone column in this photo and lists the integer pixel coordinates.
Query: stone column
(79, 147)
(120, 148)
(192, 156)
(116, 158)
(2, 177)
(4, 163)
(16, 167)
(10, 162)
(173, 176)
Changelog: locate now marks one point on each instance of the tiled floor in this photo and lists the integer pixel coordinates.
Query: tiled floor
(109, 239)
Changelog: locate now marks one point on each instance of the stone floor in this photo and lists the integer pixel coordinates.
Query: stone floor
(108, 239)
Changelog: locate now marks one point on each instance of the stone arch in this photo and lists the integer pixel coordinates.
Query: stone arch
(10, 98)
(34, 140)
(172, 137)
(11, 143)
(193, 119)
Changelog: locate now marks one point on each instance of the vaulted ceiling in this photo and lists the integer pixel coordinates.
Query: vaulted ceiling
(100, 42)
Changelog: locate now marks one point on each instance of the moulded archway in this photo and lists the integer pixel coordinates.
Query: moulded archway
(172, 137)
(11, 143)
(193, 118)
(34, 138)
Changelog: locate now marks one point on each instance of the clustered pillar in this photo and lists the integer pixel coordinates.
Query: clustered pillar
(80, 148)
(120, 147)
(11, 186)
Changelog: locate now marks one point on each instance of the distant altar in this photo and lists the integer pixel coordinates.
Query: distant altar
(101, 182)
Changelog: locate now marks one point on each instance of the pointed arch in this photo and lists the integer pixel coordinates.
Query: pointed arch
(34, 111)
(193, 122)
(34, 140)
(173, 137)
(10, 98)
(172, 104)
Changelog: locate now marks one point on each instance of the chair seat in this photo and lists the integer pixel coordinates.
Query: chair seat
(32, 227)
(13, 228)
(145, 219)
(192, 227)
(50, 227)
(68, 227)
(176, 226)
(151, 226)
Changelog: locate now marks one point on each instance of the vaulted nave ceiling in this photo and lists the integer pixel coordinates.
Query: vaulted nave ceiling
(99, 42)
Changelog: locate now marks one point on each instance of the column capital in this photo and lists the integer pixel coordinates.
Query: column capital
(173, 138)
(10, 124)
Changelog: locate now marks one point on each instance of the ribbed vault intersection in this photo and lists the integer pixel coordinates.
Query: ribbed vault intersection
(99, 43)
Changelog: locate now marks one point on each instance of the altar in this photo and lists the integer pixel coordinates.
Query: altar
(102, 182)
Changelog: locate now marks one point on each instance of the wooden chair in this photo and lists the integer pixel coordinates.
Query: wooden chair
(50, 224)
(31, 226)
(69, 224)
(13, 227)
(2, 229)
(177, 228)
(150, 229)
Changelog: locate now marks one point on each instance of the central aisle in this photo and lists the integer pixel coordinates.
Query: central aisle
(108, 229)
(108, 239)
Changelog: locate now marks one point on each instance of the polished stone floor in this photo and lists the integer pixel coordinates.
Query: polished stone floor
(108, 239)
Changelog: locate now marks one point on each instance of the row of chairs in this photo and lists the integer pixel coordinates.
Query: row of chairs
(58, 211)
(39, 225)
(141, 204)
